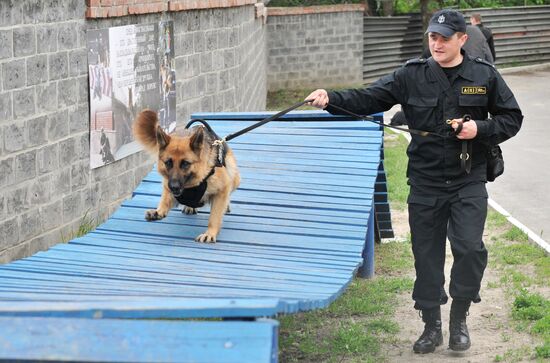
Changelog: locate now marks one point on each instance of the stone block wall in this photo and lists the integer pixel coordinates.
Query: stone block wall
(47, 189)
(316, 46)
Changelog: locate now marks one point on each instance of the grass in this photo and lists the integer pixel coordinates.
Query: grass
(525, 268)
(282, 99)
(356, 325)
(395, 164)
(496, 220)
(87, 224)
(533, 310)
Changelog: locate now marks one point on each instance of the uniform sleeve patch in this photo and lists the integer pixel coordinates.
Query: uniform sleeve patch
(474, 90)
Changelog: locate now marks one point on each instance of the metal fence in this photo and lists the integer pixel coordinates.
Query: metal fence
(521, 34)
(388, 42)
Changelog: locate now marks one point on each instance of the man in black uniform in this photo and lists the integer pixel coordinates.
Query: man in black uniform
(448, 198)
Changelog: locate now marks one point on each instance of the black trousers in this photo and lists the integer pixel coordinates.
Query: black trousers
(459, 215)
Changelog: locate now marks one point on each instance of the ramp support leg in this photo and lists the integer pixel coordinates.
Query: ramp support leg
(367, 270)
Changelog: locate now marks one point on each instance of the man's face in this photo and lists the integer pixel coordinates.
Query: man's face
(446, 51)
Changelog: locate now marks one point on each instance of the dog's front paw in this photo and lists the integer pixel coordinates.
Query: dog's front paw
(206, 237)
(154, 215)
(189, 210)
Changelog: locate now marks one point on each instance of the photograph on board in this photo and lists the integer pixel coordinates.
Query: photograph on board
(130, 68)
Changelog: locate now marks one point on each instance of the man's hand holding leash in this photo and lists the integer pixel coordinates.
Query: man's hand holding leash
(319, 98)
(467, 131)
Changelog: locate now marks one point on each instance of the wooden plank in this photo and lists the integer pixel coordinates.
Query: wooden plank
(272, 212)
(315, 141)
(109, 287)
(136, 268)
(319, 180)
(260, 238)
(264, 181)
(289, 163)
(299, 280)
(279, 198)
(239, 219)
(149, 275)
(145, 308)
(332, 130)
(85, 340)
(162, 247)
(167, 248)
(306, 151)
(193, 275)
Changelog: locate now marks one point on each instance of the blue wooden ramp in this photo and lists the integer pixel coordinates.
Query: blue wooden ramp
(302, 224)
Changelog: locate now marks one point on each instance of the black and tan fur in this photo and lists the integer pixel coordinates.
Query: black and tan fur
(184, 160)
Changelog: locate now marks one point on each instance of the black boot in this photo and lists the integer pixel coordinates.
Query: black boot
(459, 338)
(432, 336)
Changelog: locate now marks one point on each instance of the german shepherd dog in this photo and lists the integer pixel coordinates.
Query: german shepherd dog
(188, 163)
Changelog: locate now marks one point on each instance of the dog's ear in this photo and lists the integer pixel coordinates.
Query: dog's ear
(197, 139)
(163, 139)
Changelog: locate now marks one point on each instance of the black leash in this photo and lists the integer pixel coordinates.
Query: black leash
(466, 152)
(285, 111)
(204, 123)
(220, 143)
(264, 121)
(192, 197)
(357, 116)
(246, 129)
(465, 156)
(370, 118)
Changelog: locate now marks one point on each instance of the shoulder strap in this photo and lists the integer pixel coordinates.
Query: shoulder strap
(483, 61)
(439, 75)
(415, 61)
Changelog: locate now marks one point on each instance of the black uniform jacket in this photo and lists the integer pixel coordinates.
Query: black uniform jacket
(477, 90)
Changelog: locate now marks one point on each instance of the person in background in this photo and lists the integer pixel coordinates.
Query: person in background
(475, 19)
(446, 199)
(476, 46)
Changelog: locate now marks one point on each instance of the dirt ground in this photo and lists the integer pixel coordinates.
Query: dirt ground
(491, 329)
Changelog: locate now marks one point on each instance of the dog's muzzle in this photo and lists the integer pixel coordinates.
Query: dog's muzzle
(175, 187)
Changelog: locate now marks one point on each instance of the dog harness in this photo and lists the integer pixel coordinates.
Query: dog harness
(192, 197)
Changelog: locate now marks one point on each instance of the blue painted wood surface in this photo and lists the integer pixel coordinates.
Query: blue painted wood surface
(292, 242)
(107, 340)
(144, 308)
(295, 234)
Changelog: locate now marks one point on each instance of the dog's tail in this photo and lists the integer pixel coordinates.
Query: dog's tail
(145, 129)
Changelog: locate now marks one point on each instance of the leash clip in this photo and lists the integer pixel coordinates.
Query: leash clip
(220, 144)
